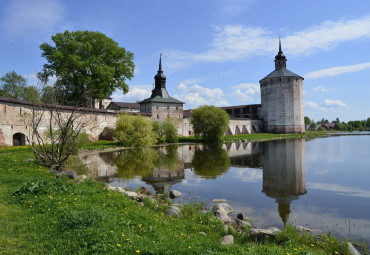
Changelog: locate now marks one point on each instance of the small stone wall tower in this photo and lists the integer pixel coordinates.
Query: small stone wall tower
(282, 99)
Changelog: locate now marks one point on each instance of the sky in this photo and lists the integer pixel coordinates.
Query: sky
(214, 51)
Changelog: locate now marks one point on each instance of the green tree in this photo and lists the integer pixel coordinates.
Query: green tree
(31, 94)
(307, 121)
(48, 95)
(209, 122)
(368, 123)
(88, 65)
(134, 130)
(12, 85)
(165, 130)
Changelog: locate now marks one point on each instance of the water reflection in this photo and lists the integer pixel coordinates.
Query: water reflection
(284, 173)
(210, 161)
(337, 178)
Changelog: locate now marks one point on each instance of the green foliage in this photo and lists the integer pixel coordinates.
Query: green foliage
(368, 123)
(48, 95)
(165, 130)
(31, 94)
(209, 122)
(134, 131)
(63, 217)
(12, 85)
(307, 120)
(88, 65)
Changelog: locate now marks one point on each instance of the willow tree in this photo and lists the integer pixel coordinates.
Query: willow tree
(87, 65)
(209, 122)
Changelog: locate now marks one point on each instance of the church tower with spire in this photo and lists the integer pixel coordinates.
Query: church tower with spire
(282, 99)
(160, 105)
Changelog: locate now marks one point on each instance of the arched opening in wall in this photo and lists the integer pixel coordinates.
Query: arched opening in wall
(229, 132)
(254, 129)
(237, 130)
(245, 130)
(106, 134)
(19, 139)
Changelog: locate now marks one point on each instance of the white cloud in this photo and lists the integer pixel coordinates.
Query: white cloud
(195, 95)
(23, 17)
(332, 102)
(311, 104)
(247, 174)
(340, 190)
(320, 89)
(136, 92)
(237, 42)
(337, 70)
(246, 92)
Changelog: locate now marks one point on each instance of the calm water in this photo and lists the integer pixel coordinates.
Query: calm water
(322, 183)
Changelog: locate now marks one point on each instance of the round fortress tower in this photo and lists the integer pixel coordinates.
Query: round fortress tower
(282, 99)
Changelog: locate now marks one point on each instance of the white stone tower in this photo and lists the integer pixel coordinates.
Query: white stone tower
(282, 99)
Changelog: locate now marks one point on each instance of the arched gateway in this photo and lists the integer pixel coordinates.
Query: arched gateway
(19, 139)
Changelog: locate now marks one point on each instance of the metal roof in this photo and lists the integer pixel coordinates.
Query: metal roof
(159, 99)
(282, 72)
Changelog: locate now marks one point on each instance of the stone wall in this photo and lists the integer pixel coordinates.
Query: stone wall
(282, 105)
(15, 118)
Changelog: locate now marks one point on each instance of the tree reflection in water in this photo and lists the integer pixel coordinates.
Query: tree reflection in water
(135, 162)
(210, 161)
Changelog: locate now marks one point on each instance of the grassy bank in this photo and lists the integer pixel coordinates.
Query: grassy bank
(40, 214)
(258, 137)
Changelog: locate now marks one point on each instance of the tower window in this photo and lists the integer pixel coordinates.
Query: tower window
(157, 116)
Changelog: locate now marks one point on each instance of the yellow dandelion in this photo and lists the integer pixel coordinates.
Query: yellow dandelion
(312, 245)
(189, 247)
(118, 245)
(137, 251)
(336, 252)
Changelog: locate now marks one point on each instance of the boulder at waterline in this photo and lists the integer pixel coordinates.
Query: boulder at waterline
(175, 194)
(227, 240)
(173, 211)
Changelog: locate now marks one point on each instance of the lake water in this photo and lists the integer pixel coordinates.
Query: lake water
(322, 183)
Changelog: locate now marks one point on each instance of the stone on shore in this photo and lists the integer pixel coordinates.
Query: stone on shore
(352, 249)
(241, 216)
(81, 178)
(131, 194)
(227, 240)
(145, 191)
(242, 224)
(175, 194)
(261, 233)
(218, 200)
(173, 211)
(302, 229)
(226, 208)
(119, 189)
(69, 173)
(222, 216)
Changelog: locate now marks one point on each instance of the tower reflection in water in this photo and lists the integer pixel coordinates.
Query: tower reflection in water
(284, 172)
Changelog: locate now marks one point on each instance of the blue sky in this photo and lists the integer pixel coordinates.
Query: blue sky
(214, 51)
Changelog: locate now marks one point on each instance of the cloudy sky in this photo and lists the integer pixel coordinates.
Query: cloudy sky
(214, 51)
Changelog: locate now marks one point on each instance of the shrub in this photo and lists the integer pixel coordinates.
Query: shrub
(210, 122)
(134, 130)
(165, 130)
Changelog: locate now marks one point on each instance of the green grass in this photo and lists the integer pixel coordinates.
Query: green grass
(40, 214)
(255, 137)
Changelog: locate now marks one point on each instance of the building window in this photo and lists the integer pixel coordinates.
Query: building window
(177, 107)
(157, 107)
(4, 109)
(20, 110)
(157, 116)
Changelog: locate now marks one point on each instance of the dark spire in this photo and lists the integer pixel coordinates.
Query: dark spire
(280, 51)
(280, 59)
(160, 63)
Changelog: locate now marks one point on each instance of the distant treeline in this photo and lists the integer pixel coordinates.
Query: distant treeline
(324, 124)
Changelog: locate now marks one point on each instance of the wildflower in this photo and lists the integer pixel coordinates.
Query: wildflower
(189, 247)
(137, 251)
(336, 252)
(312, 245)
(118, 245)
